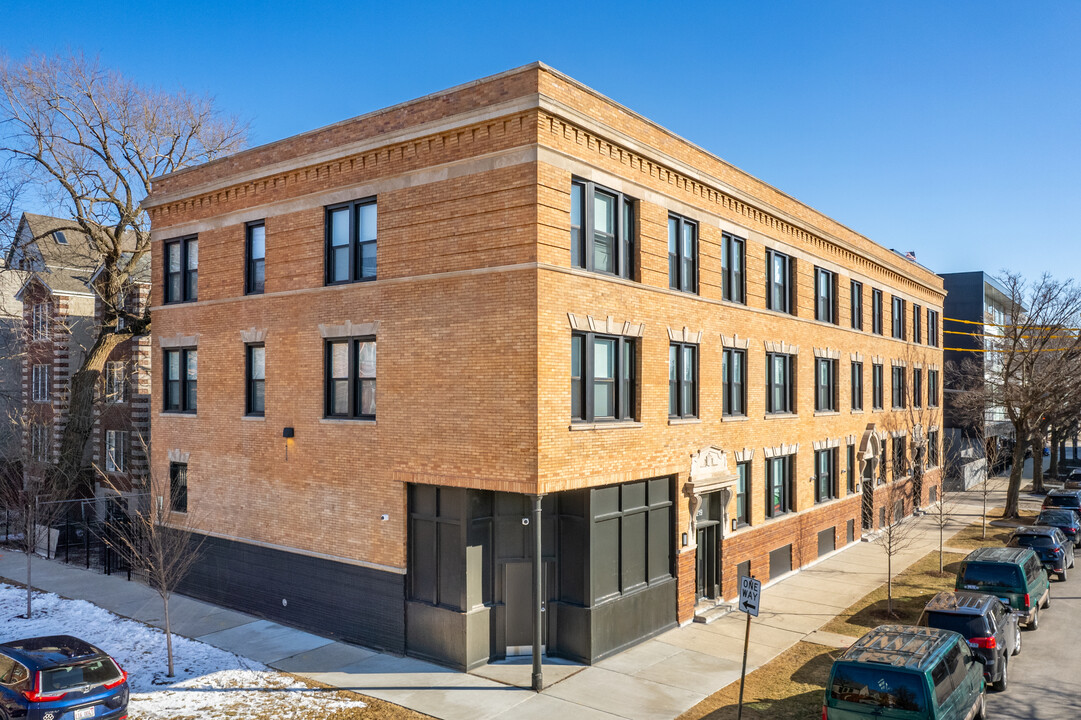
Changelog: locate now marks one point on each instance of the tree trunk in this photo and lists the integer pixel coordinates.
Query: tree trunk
(29, 592)
(1053, 465)
(941, 529)
(1037, 464)
(168, 634)
(29, 542)
(1013, 491)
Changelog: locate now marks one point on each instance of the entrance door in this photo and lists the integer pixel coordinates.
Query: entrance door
(518, 601)
(708, 565)
(868, 483)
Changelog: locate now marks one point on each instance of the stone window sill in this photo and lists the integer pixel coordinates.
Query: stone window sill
(733, 418)
(781, 416)
(344, 421)
(606, 425)
(684, 421)
(825, 413)
(857, 412)
(253, 418)
(178, 414)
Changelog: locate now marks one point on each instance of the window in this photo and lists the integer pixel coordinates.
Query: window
(932, 328)
(825, 475)
(181, 380)
(876, 386)
(825, 296)
(255, 392)
(116, 386)
(850, 471)
(932, 448)
(917, 327)
(255, 267)
(779, 485)
(350, 378)
(857, 386)
(60, 237)
(917, 387)
(900, 458)
(602, 230)
(876, 312)
(897, 386)
(882, 469)
(743, 500)
(351, 238)
(733, 371)
(39, 379)
(602, 378)
(120, 307)
(178, 487)
(116, 451)
(733, 260)
(825, 385)
(682, 380)
(857, 305)
(780, 288)
(182, 270)
(898, 318)
(780, 383)
(39, 442)
(932, 388)
(682, 254)
(39, 321)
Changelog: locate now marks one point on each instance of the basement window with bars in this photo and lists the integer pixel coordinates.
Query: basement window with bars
(602, 230)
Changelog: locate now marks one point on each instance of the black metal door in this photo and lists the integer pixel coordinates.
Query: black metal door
(707, 574)
(868, 483)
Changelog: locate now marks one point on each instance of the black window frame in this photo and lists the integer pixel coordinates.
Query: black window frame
(899, 458)
(876, 311)
(187, 388)
(785, 483)
(932, 388)
(826, 489)
(788, 387)
(917, 323)
(679, 386)
(856, 380)
(625, 387)
(897, 317)
(933, 453)
(856, 307)
(825, 304)
(917, 387)
(677, 260)
(850, 469)
(786, 288)
(743, 476)
(178, 487)
(932, 327)
(252, 286)
(733, 281)
(731, 389)
(188, 278)
(251, 383)
(897, 387)
(354, 382)
(878, 379)
(355, 244)
(826, 392)
(583, 234)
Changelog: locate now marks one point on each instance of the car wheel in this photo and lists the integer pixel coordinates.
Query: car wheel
(1062, 575)
(1004, 679)
(1034, 623)
(1047, 600)
(1017, 639)
(981, 713)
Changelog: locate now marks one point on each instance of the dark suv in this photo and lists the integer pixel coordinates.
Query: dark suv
(1065, 520)
(1063, 500)
(1055, 551)
(988, 626)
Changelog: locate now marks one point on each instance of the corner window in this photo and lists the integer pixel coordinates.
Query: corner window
(255, 367)
(178, 487)
(350, 378)
(932, 388)
(897, 387)
(682, 254)
(602, 377)
(779, 485)
(932, 328)
(181, 380)
(917, 324)
(602, 230)
(743, 499)
(825, 296)
(733, 260)
(182, 270)
(780, 286)
(780, 383)
(876, 311)
(116, 386)
(917, 387)
(39, 383)
(682, 380)
(116, 451)
(255, 265)
(857, 386)
(825, 475)
(350, 241)
(857, 305)
(876, 386)
(898, 318)
(825, 385)
(733, 372)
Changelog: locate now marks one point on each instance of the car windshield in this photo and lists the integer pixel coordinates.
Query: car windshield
(878, 687)
(966, 624)
(1060, 501)
(1056, 517)
(978, 575)
(65, 677)
(1033, 541)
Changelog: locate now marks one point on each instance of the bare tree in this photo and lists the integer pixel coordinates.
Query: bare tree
(942, 512)
(89, 141)
(896, 535)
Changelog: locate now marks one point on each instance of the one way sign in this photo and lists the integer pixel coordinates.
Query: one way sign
(750, 592)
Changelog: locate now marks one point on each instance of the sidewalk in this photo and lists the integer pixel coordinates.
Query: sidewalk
(660, 678)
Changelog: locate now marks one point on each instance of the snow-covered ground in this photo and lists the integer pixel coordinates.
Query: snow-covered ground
(208, 682)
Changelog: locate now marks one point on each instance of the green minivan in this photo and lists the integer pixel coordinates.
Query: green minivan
(908, 673)
(1014, 575)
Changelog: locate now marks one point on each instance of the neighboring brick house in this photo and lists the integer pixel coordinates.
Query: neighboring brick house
(60, 317)
(566, 301)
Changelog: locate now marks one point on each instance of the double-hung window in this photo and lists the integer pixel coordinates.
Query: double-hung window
(932, 328)
(682, 253)
(255, 369)
(733, 261)
(116, 386)
(178, 487)
(825, 385)
(932, 448)
(857, 385)
(897, 387)
(602, 230)
(876, 311)
(116, 451)
(932, 388)
(917, 387)
(733, 372)
(182, 270)
(779, 498)
(350, 241)
(743, 498)
(917, 324)
(39, 318)
(780, 285)
(898, 318)
(255, 258)
(350, 378)
(780, 383)
(900, 458)
(850, 470)
(825, 475)
(682, 380)
(857, 305)
(825, 296)
(39, 379)
(602, 377)
(876, 386)
(181, 380)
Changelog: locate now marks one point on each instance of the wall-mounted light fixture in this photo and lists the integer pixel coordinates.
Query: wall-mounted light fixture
(288, 433)
(686, 542)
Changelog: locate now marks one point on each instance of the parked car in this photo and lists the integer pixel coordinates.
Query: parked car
(1014, 575)
(1055, 551)
(904, 671)
(1073, 480)
(60, 677)
(1065, 520)
(991, 630)
(1063, 499)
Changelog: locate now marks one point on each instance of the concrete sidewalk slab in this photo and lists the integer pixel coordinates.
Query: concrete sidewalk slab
(639, 657)
(626, 696)
(546, 707)
(264, 641)
(692, 671)
(326, 658)
(518, 671)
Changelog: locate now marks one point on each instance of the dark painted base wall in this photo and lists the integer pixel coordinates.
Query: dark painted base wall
(347, 602)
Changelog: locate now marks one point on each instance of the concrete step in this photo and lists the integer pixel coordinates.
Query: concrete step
(713, 613)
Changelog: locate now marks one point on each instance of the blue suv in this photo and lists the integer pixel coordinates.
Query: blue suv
(60, 678)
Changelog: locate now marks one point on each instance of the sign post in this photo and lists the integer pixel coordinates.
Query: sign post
(750, 593)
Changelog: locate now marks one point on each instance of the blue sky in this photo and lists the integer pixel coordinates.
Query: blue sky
(949, 128)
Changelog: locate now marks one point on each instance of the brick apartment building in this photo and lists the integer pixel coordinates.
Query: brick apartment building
(61, 313)
(383, 339)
